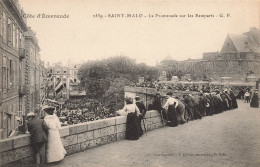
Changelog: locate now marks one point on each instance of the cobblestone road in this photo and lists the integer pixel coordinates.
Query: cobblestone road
(231, 138)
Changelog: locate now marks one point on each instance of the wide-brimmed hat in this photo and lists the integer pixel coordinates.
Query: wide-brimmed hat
(49, 110)
(30, 114)
(137, 97)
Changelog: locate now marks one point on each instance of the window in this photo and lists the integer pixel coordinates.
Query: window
(17, 39)
(10, 31)
(21, 40)
(4, 73)
(227, 44)
(246, 44)
(10, 74)
(4, 27)
(14, 35)
(1, 17)
(15, 71)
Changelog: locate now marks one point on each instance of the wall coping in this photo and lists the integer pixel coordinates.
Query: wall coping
(149, 91)
(24, 139)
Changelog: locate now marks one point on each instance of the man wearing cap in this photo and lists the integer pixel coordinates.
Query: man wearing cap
(38, 130)
(141, 106)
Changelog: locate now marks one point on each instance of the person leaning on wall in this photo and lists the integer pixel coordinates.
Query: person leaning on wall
(38, 131)
(142, 110)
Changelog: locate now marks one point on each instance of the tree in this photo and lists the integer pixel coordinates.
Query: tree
(105, 79)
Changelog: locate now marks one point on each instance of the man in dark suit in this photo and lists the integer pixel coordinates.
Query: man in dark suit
(38, 129)
(142, 109)
(189, 105)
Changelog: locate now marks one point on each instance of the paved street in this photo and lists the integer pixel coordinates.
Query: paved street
(231, 138)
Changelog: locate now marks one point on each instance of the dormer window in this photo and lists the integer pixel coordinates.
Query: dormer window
(246, 44)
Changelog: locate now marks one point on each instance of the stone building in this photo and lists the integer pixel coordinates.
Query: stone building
(74, 81)
(63, 81)
(33, 71)
(43, 81)
(12, 34)
(58, 81)
(19, 67)
(239, 58)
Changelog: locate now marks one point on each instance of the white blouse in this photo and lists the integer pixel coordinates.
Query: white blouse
(129, 108)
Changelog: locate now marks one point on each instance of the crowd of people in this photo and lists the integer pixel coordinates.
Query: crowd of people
(176, 86)
(179, 110)
(191, 107)
(174, 111)
(80, 110)
(182, 109)
(158, 85)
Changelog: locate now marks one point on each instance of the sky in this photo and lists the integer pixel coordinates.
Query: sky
(83, 37)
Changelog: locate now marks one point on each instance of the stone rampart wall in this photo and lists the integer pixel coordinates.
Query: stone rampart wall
(76, 138)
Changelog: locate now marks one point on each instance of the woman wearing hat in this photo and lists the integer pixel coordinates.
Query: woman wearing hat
(170, 106)
(55, 150)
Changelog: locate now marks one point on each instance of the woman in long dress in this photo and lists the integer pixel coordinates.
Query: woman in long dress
(255, 100)
(132, 123)
(234, 100)
(55, 150)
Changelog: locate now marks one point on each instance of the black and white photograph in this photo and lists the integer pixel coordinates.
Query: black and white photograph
(148, 83)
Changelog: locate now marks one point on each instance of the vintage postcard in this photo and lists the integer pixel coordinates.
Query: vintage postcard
(129, 83)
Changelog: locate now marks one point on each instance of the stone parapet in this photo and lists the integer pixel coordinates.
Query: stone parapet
(76, 138)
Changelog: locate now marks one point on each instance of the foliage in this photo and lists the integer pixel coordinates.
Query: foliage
(173, 72)
(105, 79)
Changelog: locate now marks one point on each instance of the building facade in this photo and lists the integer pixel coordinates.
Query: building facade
(58, 81)
(33, 69)
(63, 81)
(239, 58)
(19, 67)
(12, 32)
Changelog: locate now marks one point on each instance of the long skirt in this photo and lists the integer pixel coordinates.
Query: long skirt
(254, 101)
(55, 150)
(132, 127)
(172, 116)
(234, 103)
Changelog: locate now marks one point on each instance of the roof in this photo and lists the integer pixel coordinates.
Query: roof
(244, 43)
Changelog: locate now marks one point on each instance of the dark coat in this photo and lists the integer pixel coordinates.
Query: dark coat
(141, 107)
(234, 100)
(255, 101)
(188, 101)
(195, 101)
(38, 130)
(156, 105)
